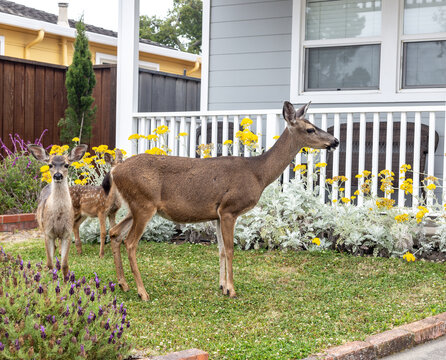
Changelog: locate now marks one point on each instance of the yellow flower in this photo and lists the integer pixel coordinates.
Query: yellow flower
(329, 181)
(420, 214)
(409, 257)
(353, 197)
(75, 139)
(77, 181)
(407, 186)
(316, 241)
(431, 178)
(366, 173)
(431, 187)
(44, 168)
(162, 129)
(345, 200)
(303, 150)
(228, 142)
(335, 201)
(404, 168)
(46, 176)
(131, 137)
(276, 137)
(341, 189)
(341, 178)
(402, 218)
(321, 164)
(245, 123)
(156, 151)
(358, 176)
(382, 203)
(356, 192)
(183, 134)
(302, 168)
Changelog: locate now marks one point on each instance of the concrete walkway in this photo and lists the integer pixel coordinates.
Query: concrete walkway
(432, 350)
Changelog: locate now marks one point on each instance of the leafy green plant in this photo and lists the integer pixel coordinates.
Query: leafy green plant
(20, 183)
(80, 83)
(44, 317)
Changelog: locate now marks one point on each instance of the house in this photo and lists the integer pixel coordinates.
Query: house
(32, 34)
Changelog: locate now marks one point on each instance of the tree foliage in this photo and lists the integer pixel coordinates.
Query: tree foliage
(80, 82)
(181, 29)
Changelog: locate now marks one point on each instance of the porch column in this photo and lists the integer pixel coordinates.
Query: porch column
(127, 74)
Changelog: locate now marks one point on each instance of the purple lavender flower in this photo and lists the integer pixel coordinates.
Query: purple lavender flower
(21, 264)
(37, 277)
(112, 335)
(82, 350)
(53, 319)
(80, 311)
(87, 290)
(104, 290)
(71, 291)
(112, 286)
(100, 312)
(79, 302)
(91, 317)
(128, 324)
(6, 320)
(57, 288)
(40, 289)
(42, 332)
(96, 279)
(58, 341)
(2, 347)
(66, 313)
(123, 319)
(17, 344)
(29, 265)
(27, 311)
(92, 296)
(121, 307)
(72, 277)
(7, 335)
(55, 276)
(119, 334)
(114, 302)
(83, 280)
(2, 311)
(107, 325)
(57, 264)
(65, 322)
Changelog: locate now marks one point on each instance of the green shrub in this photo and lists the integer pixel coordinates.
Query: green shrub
(44, 317)
(20, 183)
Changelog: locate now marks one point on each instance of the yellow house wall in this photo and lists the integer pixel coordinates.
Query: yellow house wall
(50, 50)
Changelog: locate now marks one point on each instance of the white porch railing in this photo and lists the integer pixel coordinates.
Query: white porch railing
(360, 126)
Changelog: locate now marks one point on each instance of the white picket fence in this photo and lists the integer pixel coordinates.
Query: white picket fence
(269, 123)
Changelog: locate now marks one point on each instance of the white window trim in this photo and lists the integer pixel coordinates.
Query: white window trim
(101, 57)
(2, 45)
(391, 41)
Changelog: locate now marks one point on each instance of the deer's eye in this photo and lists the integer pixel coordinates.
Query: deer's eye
(311, 130)
(66, 166)
(50, 165)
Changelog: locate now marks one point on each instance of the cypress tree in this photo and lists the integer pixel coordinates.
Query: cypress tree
(80, 81)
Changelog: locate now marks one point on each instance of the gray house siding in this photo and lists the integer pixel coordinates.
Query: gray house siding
(250, 54)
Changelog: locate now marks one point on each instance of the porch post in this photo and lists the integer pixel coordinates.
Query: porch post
(127, 74)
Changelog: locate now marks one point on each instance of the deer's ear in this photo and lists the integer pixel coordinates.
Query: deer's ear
(77, 153)
(288, 112)
(108, 158)
(300, 114)
(38, 152)
(119, 157)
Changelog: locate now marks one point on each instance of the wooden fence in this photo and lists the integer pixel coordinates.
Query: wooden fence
(33, 98)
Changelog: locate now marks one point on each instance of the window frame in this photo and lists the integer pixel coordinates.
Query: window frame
(2, 45)
(100, 58)
(391, 58)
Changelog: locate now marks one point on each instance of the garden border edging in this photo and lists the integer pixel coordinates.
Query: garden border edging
(10, 223)
(388, 342)
(191, 354)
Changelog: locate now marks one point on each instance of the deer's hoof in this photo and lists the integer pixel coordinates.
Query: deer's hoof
(101, 255)
(144, 296)
(232, 294)
(124, 287)
(79, 251)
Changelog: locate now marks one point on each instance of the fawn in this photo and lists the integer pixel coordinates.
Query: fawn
(89, 200)
(55, 211)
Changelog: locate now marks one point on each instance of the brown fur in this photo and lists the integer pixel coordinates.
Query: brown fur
(195, 190)
(92, 201)
(54, 211)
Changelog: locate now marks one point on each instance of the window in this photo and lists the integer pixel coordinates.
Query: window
(354, 65)
(2, 45)
(424, 44)
(102, 58)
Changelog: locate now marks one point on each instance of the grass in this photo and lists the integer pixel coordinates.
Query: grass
(289, 305)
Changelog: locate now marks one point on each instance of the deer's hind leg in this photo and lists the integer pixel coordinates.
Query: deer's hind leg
(77, 240)
(221, 251)
(117, 233)
(227, 223)
(65, 249)
(50, 247)
(140, 219)
(102, 219)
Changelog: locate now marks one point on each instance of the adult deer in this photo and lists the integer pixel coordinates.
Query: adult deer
(194, 190)
(89, 200)
(55, 211)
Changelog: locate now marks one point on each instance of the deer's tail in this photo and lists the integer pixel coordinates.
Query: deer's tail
(107, 183)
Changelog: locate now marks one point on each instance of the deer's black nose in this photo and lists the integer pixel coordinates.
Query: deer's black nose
(58, 176)
(335, 143)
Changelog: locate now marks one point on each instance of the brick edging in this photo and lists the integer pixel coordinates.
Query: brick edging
(388, 342)
(17, 222)
(191, 354)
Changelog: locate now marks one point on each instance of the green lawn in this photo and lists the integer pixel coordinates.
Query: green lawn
(289, 305)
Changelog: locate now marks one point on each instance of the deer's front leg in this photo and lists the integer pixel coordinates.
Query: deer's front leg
(227, 231)
(77, 240)
(102, 217)
(221, 251)
(65, 249)
(116, 235)
(49, 247)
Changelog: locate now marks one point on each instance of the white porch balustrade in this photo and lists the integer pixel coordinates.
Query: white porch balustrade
(372, 138)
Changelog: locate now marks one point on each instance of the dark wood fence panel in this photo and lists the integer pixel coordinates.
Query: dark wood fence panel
(167, 92)
(33, 99)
